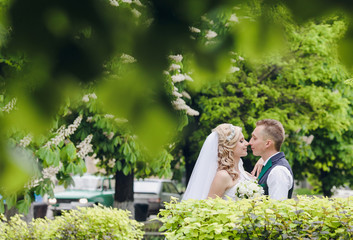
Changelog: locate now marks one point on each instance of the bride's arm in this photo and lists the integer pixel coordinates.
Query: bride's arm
(250, 175)
(219, 184)
(257, 168)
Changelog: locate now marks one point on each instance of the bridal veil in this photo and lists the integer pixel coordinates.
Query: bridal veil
(204, 171)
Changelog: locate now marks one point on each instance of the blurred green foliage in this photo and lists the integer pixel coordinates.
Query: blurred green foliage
(84, 223)
(51, 50)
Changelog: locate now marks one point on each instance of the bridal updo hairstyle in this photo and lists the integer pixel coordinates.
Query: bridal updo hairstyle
(228, 136)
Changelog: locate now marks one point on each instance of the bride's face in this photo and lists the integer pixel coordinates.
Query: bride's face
(240, 150)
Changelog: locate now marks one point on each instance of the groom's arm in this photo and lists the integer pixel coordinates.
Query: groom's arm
(279, 182)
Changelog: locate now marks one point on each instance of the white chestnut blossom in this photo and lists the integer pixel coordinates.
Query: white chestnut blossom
(109, 136)
(9, 106)
(109, 116)
(89, 119)
(177, 58)
(178, 78)
(25, 141)
(85, 147)
(195, 30)
(211, 34)
(127, 1)
(121, 120)
(138, 3)
(185, 94)
(85, 98)
(34, 182)
(127, 58)
(63, 132)
(234, 69)
(234, 18)
(50, 172)
(111, 162)
(136, 13)
(114, 3)
(191, 112)
(92, 95)
(179, 103)
(177, 94)
(188, 78)
(174, 67)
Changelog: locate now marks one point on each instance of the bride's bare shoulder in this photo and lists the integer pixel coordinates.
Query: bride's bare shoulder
(223, 174)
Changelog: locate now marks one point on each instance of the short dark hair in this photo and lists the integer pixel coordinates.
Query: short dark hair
(274, 130)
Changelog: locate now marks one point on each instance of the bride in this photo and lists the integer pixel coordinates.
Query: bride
(219, 168)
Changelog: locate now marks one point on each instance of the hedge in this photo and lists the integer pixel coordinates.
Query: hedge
(84, 223)
(262, 218)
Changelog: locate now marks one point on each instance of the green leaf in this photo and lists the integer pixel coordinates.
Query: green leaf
(2, 207)
(118, 165)
(56, 157)
(126, 170)
(126, 149)
(68, 152)
(70, 168)
(45, 154)
(11, 201)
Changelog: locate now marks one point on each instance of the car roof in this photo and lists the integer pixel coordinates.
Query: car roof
(152, 180)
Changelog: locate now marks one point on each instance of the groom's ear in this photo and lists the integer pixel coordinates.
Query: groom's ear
(268, 143)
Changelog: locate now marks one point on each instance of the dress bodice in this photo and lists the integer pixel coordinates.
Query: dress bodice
(230, 192)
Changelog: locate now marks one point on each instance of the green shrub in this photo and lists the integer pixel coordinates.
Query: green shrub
(84, 223)
(305, 218)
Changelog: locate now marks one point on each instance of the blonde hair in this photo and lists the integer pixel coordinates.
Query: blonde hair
(228, 136)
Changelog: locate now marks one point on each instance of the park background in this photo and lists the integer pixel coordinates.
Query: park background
(138, 85)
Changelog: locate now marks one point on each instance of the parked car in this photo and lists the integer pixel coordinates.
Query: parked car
(149, 194)
(154, 192)
(86, 191)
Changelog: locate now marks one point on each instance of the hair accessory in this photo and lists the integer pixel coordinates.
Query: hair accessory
(232, 134)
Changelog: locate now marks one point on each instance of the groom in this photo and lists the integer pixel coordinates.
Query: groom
(276, 176)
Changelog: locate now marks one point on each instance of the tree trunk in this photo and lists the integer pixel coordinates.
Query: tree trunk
(124, 192)
(326, 184)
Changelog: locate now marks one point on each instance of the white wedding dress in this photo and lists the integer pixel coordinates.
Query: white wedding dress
(230, 192)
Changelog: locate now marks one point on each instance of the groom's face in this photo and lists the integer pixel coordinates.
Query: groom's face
(257, 141)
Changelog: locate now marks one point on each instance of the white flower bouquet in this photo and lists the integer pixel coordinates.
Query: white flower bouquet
(248, 189)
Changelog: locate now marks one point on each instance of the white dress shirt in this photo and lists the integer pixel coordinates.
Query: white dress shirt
(279, 181)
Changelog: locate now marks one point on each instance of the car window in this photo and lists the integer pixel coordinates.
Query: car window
(146, 187)
(172, 188)
(165, 188)
(112, 183)
(106, 184)
(86, 183)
